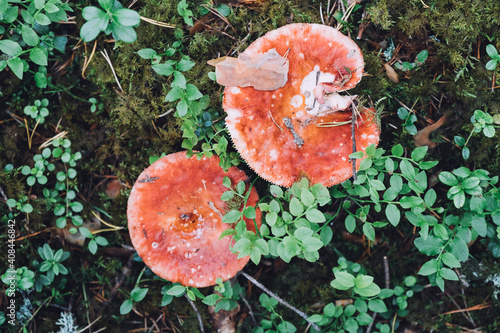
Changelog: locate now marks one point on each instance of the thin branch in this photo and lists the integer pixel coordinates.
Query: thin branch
(197, 313)
(4, 197)
(283, 302)
(250, 312)
(386, 271)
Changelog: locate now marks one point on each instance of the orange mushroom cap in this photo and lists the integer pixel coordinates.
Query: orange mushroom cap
(175, 220)
(277, 131)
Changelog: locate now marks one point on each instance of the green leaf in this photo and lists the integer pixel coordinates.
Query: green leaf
(243, 247)
(345, 279)
(350, 223)
(176, 290)
(42, 19)
(249, 212)
(192, 92)
(174, 94)
(16, 65)
(93, 246)
(407, 169)
(397, 150)
(39, 4)
(489, 131)
(448, 178)
(126, 307)
(91, 12)
(459, 199)
(29, 36)
(315, 216)
(167, 70)
(124, 33)
(430, 267)
(312, 244)
(10, 48)
(430, 246)
(450, 260)
(185, 65)
(326, 235)
(448, 274)
(307, 197)
(369, 231)
(296, 207)
(138, 294)
(393, 214)
(211, 299)
(232, 216)
(90, 30)
(147, 53)
(491, 51)
(470, 183)
(427, 165)
(85, 232)
(370, 291)
(127, 17)
(362, 281)
(430, 197)
(38, 56)
(419, 153)
(377, 305)
(410, 202)
(479, 225)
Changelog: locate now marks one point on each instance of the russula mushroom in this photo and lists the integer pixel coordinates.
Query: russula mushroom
(175, 220)
(287, 130)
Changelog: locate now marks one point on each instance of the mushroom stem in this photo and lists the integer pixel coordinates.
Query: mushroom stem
(202, 330)
(276, 297)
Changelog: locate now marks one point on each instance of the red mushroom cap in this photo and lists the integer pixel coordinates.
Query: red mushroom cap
(277, 131)
(175, 220)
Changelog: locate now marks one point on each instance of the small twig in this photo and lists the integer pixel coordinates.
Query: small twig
(105, 55)
(386, 271)
(250, 312)
(369, 328)
(15, 117)
(283, 302)
(274, 121)
(4, 197)
(197, 312)
(166, 113)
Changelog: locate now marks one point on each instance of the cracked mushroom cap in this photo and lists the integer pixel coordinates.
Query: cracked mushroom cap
(175, 220)
(283, 132)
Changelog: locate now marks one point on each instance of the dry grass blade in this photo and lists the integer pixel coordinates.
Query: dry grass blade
(158, 23)
(105, 55)
(49, 141)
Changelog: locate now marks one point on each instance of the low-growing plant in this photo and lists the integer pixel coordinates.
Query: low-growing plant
(111, 19)
(409, 119)
(30, 36)
(38, 110)
(491, 50)
(226, 296)
(406, 66)
(483, 122)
